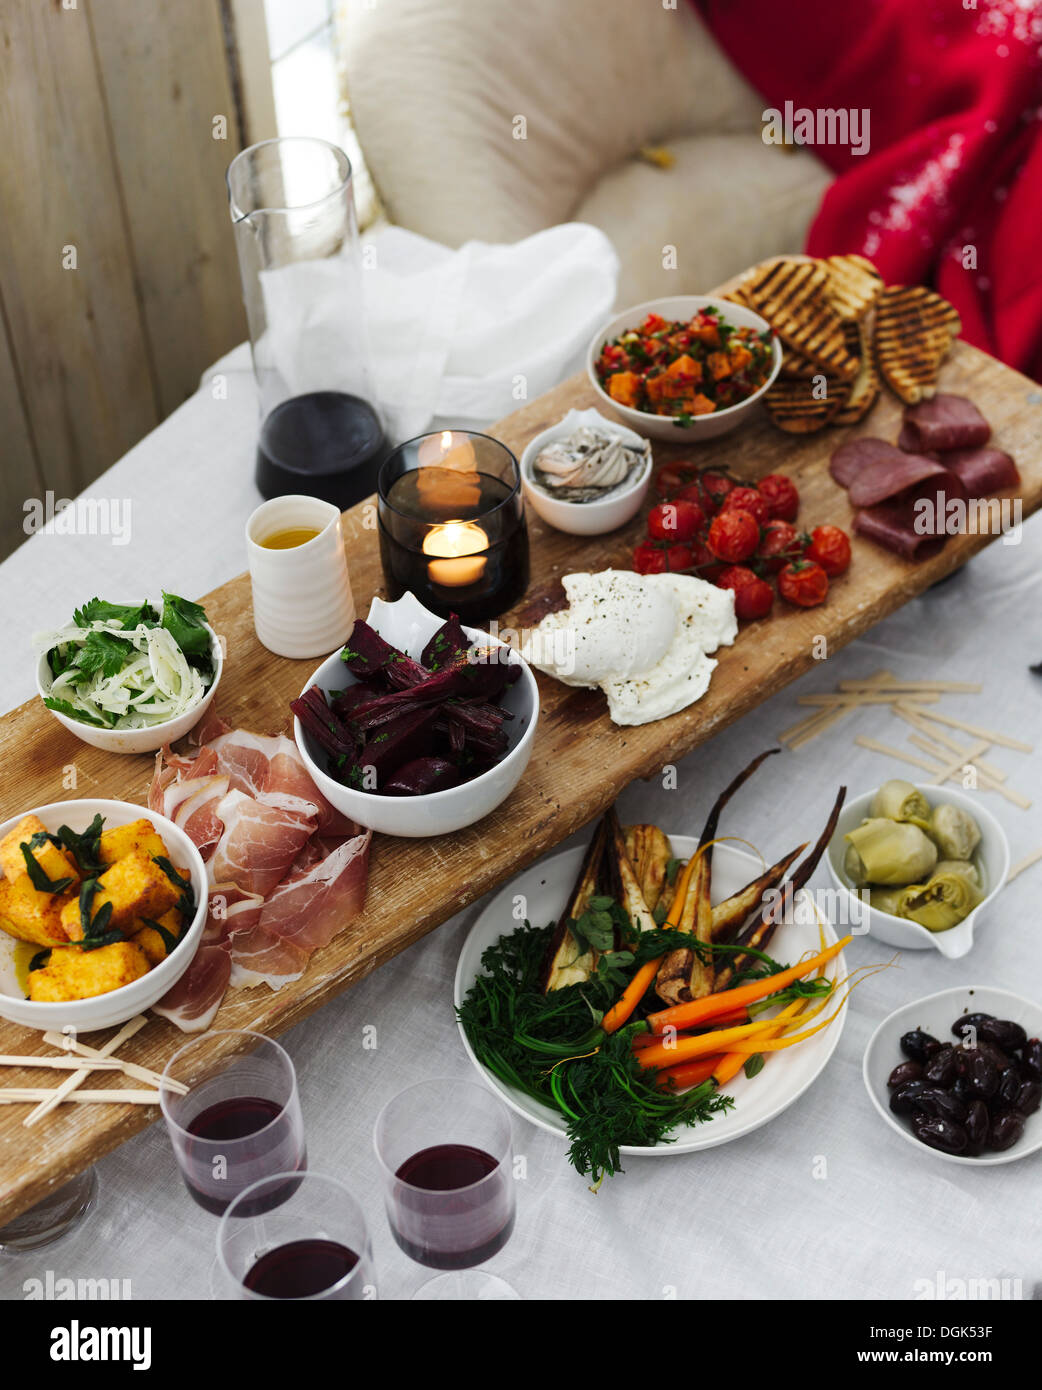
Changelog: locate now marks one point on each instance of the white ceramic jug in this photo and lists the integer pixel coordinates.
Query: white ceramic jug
(302, 601)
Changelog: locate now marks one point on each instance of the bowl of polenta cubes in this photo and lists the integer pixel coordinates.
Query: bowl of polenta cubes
(102, 905)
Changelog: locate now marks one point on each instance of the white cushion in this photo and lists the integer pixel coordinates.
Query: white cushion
(436, 87)
(728, 201)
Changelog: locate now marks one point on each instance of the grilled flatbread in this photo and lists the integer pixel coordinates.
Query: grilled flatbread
(797, 368)
(794, 407)
(865, 388)
(915, 329)
(853, 286)
(790, 295)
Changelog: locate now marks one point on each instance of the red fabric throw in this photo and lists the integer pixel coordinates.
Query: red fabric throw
(949, 191)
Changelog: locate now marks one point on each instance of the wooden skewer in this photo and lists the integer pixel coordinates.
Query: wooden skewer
(64, 1063)
(817, 722)
(985, 780)
(1025, 863)
(26, 1095)
(822, 722)
(864, 742)
(1003, 740)
(62, 1092)
(139, 1073)
(855, 701)
(940, 687)
(940, 741)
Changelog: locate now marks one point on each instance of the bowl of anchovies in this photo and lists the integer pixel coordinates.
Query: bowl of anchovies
(586, 475)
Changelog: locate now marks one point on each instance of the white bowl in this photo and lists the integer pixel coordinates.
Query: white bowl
(137, 740)
(991, 856)
(107, 1010)
(544, 888)
(935, 1014)
(663, 427)
(409, 626)
(593, 518)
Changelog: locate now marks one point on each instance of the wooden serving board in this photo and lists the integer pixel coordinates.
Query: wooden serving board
(580, 763)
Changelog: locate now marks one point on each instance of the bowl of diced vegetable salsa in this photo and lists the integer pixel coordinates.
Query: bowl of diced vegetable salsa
(685, 368)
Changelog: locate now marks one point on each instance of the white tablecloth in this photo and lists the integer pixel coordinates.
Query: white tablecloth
(754, 1219)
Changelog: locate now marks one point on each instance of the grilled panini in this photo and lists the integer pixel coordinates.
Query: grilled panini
(790, 295)
(865, 388)
(915, 329)
(796, 406)
(853, 285)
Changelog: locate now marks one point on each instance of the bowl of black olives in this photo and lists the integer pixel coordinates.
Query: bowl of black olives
(960, 1073)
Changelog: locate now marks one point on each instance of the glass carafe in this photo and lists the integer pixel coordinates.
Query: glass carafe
(296, 233)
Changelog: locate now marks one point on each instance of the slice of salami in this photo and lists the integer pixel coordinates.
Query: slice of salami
(945, 422)
(889, 475)
(855, 455)
(983, 471)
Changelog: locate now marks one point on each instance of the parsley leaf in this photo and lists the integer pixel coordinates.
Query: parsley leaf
(103, 651)
(129, 615)
(185, 621)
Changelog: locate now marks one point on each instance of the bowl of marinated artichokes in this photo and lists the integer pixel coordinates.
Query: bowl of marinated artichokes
(922, 862)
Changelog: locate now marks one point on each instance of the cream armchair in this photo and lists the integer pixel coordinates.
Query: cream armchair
(492, 119)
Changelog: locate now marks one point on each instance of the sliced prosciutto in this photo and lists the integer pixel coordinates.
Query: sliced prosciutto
(945, 422)
(193, 1002)
(890, 473)
(259, 958)
(317, 900)
(983, 471)
(286, 870)
(259, 842)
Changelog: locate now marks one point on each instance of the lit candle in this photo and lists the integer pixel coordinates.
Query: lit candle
(447, 478)
(459, 546)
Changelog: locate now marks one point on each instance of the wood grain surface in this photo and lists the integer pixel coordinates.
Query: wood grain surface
(580, 763)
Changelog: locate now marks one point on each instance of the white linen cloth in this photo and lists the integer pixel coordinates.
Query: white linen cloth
(466, 335)
(753, 1219)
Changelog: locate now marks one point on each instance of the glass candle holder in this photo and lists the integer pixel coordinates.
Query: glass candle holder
(452, 524)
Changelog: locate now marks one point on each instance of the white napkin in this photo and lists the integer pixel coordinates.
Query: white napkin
(460, 336)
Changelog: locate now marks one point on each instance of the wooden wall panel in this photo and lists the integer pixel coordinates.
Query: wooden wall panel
(165, 77)
(76, 334)
(19, 474)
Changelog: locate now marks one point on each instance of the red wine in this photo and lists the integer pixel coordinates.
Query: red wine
(324, 444)
(444, 1231)
(447, 1167)
(237, 1118)
(302, 1269)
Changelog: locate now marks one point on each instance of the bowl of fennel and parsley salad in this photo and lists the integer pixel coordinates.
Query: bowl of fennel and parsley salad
(129, 678)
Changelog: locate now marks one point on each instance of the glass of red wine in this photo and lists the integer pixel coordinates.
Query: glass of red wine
(239, 1122)
(445, 1151)
(313, 1244)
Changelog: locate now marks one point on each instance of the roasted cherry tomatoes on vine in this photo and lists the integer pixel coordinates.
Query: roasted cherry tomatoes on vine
(753, 596)
(675, 520)
(830, 548)
(780, 543)
(733, 536)
(747, 499)
(803, 583)
(657, 557)
(780, 495)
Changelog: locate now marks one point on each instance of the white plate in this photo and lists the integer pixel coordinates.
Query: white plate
(545, 887)
(935, 1014)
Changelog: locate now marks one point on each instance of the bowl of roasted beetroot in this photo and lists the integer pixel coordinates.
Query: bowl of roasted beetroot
(959, 1075)
(418, 726)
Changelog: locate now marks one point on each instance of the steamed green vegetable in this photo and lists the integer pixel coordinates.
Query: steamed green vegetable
(900, 800)
(888, 852)
(954, 831)
(127, 666)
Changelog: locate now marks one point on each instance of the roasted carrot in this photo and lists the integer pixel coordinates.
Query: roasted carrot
(622, 1009)
(667, 1052)
(704, 1010)
(642, 1040)
(689, 1074)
